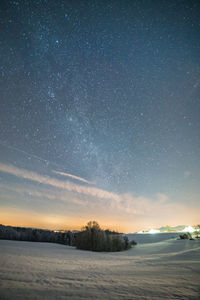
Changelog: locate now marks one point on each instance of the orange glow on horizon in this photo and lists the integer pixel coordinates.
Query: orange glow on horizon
(24, 218)
(21, 218)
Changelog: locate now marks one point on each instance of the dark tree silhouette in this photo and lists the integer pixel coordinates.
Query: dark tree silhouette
(35, 235)
(93, 238)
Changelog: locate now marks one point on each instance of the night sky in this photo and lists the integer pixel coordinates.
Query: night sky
(99, 113)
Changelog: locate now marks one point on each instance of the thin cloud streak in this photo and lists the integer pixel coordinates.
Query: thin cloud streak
(72, 176)
(126, 204)
(43, 193)
(47, 162)
(66, 185)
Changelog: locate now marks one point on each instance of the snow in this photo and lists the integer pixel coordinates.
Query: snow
(168, 269)
(144, 238)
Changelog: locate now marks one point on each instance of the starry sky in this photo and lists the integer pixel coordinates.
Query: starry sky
(99, 113)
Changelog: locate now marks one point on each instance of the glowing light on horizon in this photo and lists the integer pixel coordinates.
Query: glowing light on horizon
(152, 231)
(188, 229)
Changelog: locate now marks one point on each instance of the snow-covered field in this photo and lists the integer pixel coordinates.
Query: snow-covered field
(144, 238)
(169, 269)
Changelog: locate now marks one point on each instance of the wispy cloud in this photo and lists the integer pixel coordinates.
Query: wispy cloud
(43, 193)
(125, 205)
(66, 185)
(73, 176)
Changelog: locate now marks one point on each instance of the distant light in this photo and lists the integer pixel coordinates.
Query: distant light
(188, 229)
(153, 231)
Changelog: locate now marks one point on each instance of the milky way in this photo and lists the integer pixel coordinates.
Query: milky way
(105, 91)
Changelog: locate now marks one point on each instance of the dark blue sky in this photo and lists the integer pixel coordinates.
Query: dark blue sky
(107, 91)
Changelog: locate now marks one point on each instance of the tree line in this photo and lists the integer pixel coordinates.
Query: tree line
(91, 237)
(36, 235)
